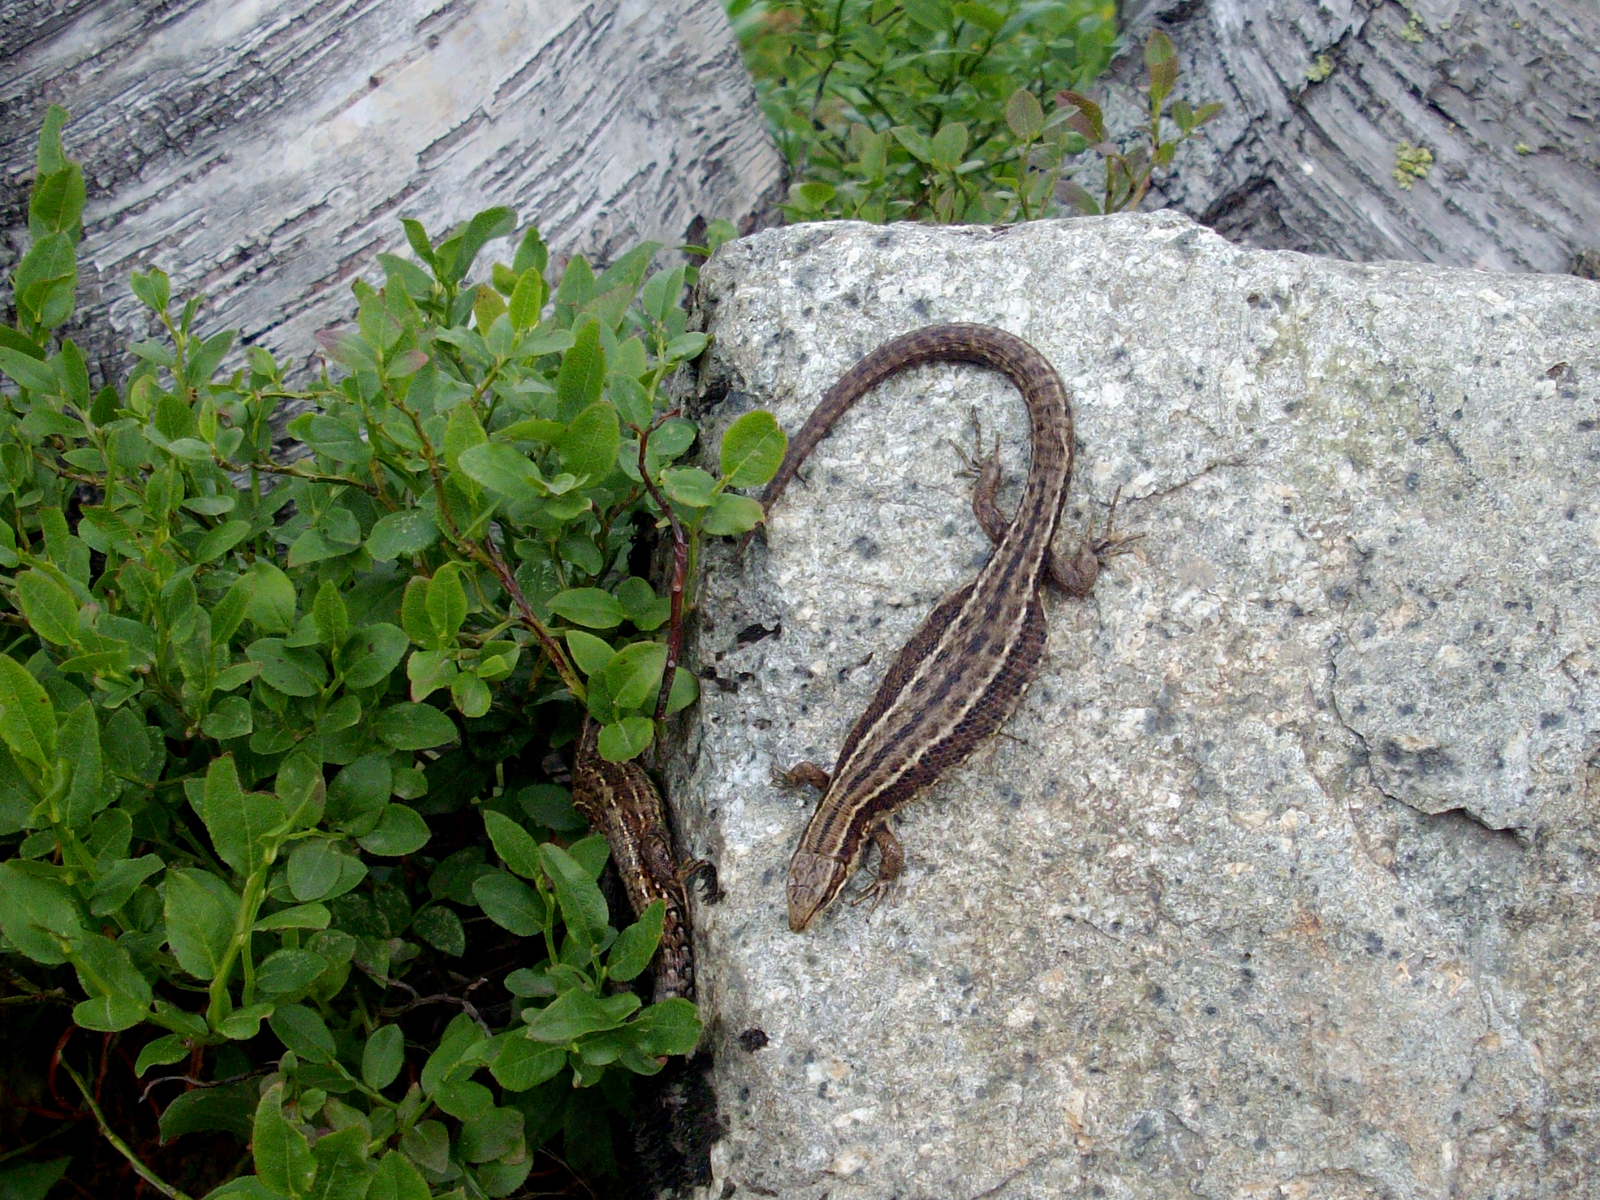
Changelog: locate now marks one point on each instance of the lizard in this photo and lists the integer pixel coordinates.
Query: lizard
(623, 803)
(961, 674)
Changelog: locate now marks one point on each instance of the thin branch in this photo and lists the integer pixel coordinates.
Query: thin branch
(144, 1172)
(492, 559)
(680, 571)
(202, 1083)
(461, 1002)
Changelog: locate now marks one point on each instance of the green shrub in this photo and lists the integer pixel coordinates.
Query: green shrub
(927, 110)
(898, 111)
(238, 683)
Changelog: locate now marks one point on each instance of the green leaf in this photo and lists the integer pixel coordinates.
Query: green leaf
(119, 995)
(949, 146)
(242, 1024)
(752, 450)
(589, 652)
(591, 854)
(384, 1055)
(27, 719)
(527, 298)
(915, 142)
(1025, 115)
(689, 486)
(330, 615)
(154, 290)
(1157, 48)
(294, 671)
(161, 1052)
(28, 371)
(301, 916)
(237, 821)
(492, 1136)
(113, 889)
(575, 1013)
(409, 531)
(636, 945)
(489, 224)
(460, 1051)
(644, 608)
(592, 607)
(669, 1027)
(271, 604)
(45, 281)
(302, 1030)
(229, 718)
(512, 843)
(732, 515)
(313, 870)
(372, 653)
(685, 346)
(464, 1099)
(396, 1179)
(634, 674)
(227, 1109)
(36, 910)
(510, 903)
(200, 911)
(589, 446)
(282, 1154)
(288, 971)
(583, 908)
(522, 1063)
(358, 794)
(49, 608)
(812, 195)
(551, 806)
(933, 15)
(400, 830)
(446, 603)
(415, 727)
(441, 928)
(23, 1180)
(626, 739)
(583, 370)
(503, 469)
(981, 15)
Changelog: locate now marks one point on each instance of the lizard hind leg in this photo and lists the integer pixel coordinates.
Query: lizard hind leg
(985, 473)
(1078, 575)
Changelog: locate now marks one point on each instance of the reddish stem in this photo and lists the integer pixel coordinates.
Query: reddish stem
(680, 572)
(55, 1061)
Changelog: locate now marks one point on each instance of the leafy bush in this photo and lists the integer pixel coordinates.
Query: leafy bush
(927, 110)
(238, 683)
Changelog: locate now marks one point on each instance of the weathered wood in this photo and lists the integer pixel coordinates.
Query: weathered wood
(263, 153)
(1505, 94)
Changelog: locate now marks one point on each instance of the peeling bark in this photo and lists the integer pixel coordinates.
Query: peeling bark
(1505, 95)
(262, 154)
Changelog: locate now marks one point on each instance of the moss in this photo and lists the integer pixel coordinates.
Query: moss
(1411, 163)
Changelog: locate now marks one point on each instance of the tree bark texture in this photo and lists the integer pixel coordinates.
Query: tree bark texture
(262, 153)
(1504, 94)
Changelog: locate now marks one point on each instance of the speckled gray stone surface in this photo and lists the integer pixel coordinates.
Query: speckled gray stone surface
(1282, 880)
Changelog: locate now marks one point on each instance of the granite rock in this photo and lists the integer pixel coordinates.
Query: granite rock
(1282, 879)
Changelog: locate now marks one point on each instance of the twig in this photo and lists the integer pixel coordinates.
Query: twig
(492, 559)
(145, 1173)
(461, 1001)
(35, 997)
(202, 1083)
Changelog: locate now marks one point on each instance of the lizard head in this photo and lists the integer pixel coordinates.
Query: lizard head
(814, 880)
